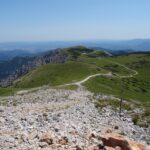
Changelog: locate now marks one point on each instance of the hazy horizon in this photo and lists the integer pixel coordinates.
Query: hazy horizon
(83, 40)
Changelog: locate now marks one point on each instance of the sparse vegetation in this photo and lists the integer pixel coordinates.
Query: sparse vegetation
(135, 88)
(141, 119)
(68, 87)
(113, 103)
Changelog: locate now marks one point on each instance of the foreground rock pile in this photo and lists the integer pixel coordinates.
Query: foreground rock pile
(60, 120)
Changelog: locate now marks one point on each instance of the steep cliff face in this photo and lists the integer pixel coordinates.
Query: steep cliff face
(11, 70)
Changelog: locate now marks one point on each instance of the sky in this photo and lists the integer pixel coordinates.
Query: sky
(68, 20)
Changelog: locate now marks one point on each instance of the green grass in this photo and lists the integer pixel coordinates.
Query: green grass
(106, 63)
(117, 69)
(96, 54)
(57, 74)
(136, 88)
(8, 91)
(141, 119)
(133, 88)
(115, 104)
(67, 87)
(129, 59)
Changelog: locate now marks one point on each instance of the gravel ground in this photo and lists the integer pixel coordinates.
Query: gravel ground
(60, 119)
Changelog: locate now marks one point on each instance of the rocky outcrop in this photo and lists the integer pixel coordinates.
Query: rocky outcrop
(11, 70)
(114, 140)
(45, 137)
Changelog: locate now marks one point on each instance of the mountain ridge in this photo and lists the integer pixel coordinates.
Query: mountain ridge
(26, 64)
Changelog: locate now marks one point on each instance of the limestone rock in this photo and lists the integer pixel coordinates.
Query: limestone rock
(117, 148)
(43, 144)
(63, 141)
(95, 148)
(60, 119)
(113, 140)
(108, 148)
(109, 131)
(46, 138)
(78, 148)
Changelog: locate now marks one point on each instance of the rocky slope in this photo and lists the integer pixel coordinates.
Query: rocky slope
(11, 70)
(60, 119)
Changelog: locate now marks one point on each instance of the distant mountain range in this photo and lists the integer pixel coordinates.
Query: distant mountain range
(135, 44)
(13, 49)
(10, 54)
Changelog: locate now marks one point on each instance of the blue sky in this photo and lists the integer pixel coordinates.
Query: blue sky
(50, 20)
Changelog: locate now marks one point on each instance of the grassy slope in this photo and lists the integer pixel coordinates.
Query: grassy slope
(137, 88)
(8, 91)
(106, 64)
(57, 74)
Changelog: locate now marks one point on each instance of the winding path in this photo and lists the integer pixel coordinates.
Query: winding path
(127, 76)
(79, 83)
(89, 77)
